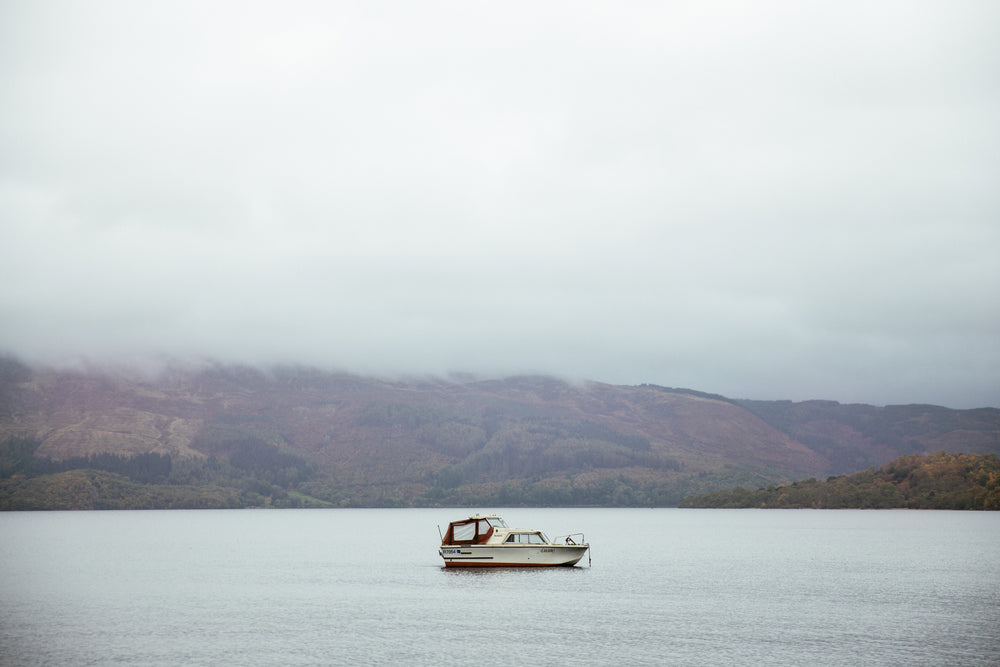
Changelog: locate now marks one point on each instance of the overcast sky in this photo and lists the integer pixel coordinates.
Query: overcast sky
(759, 199)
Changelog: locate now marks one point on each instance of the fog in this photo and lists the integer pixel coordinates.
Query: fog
(760, 199)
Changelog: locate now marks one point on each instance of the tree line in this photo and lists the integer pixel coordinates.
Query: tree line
(937, 481)
(255, 474)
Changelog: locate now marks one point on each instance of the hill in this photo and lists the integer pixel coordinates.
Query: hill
(288, 436)
(939, 481)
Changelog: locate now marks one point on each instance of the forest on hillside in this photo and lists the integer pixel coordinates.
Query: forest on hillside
(247, 472)
(255, 476)
(939, 481)
(234, 436)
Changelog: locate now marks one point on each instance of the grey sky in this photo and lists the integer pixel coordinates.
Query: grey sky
(760, 199)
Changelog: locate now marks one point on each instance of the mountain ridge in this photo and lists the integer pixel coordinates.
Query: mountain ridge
(349, 440)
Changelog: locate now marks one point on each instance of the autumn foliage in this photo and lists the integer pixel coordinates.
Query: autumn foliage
(939, 481)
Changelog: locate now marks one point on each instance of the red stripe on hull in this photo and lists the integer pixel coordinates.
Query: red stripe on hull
(471, 564)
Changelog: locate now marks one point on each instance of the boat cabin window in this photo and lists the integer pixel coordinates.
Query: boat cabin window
(474, 530)
(525, 538)
(464, 531)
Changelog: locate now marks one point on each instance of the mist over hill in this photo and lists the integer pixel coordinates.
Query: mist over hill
(234, 436)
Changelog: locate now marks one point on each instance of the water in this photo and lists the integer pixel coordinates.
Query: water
(666, 586)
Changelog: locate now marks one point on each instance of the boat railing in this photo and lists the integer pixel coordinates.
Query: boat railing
(572, 539)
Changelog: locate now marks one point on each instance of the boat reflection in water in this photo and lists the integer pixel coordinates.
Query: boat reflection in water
(485, 540)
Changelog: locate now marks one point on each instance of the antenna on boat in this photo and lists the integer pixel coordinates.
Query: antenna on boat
(439, 533)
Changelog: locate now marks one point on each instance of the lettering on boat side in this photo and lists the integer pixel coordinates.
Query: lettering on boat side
(451, 551)
(547, 551)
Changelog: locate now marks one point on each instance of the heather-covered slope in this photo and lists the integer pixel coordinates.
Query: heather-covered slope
(856, 437)
(285, 435)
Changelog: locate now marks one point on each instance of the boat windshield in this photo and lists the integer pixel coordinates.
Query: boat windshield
(497, 522)
(526, 538)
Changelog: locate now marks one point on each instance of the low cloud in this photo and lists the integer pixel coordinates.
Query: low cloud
(756, 199)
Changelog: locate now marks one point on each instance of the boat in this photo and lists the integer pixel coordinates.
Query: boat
(485, 540)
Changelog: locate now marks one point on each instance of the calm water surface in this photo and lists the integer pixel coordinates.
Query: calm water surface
(666, 586)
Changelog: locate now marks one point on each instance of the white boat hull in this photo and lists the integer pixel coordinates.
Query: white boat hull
(512, 555)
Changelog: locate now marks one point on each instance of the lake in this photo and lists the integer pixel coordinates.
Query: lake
(367, 587)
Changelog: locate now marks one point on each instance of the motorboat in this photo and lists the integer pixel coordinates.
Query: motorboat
(485, 540)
